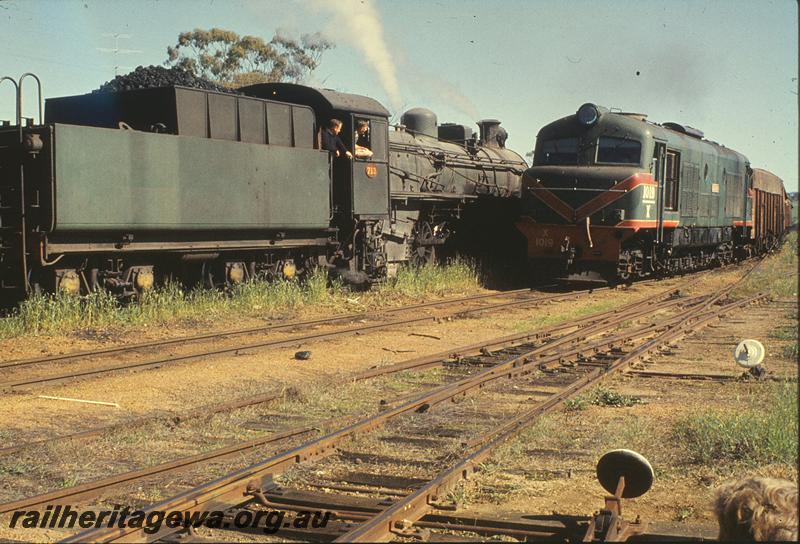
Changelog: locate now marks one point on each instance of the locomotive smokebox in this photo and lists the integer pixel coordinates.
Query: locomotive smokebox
(492, 134)
(420, 121)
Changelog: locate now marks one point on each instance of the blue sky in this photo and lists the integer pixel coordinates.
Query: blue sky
(727, 67)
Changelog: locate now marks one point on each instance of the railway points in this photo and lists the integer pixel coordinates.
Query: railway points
(413, 505)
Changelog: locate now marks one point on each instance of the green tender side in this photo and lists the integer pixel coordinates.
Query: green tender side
(131, 181)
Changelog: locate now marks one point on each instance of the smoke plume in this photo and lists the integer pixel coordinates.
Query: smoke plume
(358, 23)
(433, 89)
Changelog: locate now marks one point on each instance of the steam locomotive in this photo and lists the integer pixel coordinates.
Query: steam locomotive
(612, 196)
(116, 190)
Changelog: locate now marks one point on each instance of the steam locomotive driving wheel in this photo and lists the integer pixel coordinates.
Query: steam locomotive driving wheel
(421, 250)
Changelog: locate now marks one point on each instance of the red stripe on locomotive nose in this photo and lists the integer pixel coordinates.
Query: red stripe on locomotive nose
(614, 193)
(597, 203)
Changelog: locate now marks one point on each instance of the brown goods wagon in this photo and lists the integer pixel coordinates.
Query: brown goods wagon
(787, 218)
(770, 217)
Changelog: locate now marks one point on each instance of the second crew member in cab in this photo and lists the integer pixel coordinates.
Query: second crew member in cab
(362, 147)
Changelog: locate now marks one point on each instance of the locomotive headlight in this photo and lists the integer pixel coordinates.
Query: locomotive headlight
(588, 114)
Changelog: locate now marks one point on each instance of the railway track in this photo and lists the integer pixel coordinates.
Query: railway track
(26, 374)
(116, 350)
(420, 363)
(560, 339)
(452, 441)
(578, 347)
(30, 373)
(581, 350)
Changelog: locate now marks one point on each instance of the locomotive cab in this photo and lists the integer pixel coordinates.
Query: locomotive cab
(360, 186)
(364, 177)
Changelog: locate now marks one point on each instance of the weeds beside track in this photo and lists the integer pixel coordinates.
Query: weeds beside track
(171, 304)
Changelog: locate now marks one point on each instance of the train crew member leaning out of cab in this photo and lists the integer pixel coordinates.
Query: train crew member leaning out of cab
(331, 140)
(362, 146)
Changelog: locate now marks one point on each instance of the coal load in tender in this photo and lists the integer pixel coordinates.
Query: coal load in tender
(145, 77)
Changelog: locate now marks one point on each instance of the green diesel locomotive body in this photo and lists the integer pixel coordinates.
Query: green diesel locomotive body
(613, 195)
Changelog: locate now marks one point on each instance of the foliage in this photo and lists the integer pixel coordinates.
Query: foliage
(171, 303)
(226, 57)
(458, 275)
(757, 435)
(609, 397)
(600, 396)
(790, 351)
(576, 404)
(777, 275)
(788, 333)
(60, 312)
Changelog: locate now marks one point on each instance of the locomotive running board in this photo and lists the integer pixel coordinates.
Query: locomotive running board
(56, 248)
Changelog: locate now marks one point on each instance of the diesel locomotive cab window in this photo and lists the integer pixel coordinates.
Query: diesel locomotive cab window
(618, 151)
(563, 151)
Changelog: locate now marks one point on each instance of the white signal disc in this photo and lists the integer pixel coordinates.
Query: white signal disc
(749, 353)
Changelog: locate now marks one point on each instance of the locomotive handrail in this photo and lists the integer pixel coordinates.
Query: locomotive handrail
(416, 177)
(417, 148)
(39, 90)
(455, 142)
(452, 160)
(17, 113)
(421, 179)
(43, 260)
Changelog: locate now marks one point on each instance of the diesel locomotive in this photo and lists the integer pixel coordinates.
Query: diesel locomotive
(117, 190)
(612, 196)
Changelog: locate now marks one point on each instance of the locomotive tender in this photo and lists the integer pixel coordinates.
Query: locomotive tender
(116, 190)
(611, 196)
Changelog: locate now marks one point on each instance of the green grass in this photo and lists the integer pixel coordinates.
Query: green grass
(16, 467)
(171, 304)
(320, 400)
(461, 494)
(565, 315)
(756, 435)
(458, 275)
(601, 396)
(69, 481)
(777, 275)
(542, 432)
(787, 334)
